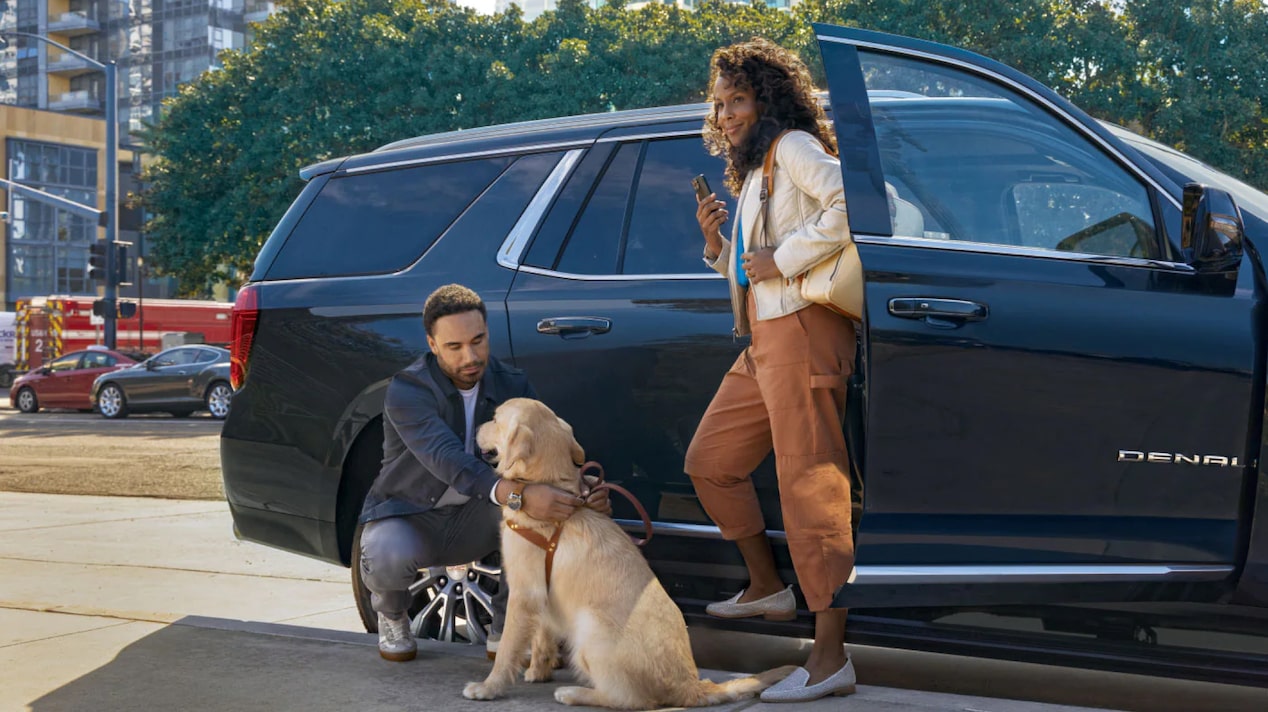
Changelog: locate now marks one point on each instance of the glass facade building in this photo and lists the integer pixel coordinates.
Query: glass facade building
(48, 247)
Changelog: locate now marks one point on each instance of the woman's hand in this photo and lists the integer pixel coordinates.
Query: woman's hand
(760, 265)
(711, 213)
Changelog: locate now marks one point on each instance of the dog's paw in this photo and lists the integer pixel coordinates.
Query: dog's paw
(572, 695)
(538, 673)
(480, 691)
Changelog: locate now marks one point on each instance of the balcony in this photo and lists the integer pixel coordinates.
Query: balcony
(77, 101)
(67, 65)
(73, 24)
(259, 11)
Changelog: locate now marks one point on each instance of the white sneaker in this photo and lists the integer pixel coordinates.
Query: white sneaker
(396, 640)
(781, 606)
(794, 688)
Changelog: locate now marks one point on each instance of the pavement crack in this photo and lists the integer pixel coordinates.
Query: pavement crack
(92, 522)
(64, 635)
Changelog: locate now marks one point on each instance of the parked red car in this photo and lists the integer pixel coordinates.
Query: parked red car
(65, 382)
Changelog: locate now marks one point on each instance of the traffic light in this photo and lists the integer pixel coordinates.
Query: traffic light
(97, 261)
(127, 310)
(121, 263)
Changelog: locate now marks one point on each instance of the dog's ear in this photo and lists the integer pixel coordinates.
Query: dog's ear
(578, 452)
(519, 447)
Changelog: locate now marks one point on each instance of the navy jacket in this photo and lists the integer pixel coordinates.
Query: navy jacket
(424, 430)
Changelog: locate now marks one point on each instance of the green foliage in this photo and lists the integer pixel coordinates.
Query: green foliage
(329, 78)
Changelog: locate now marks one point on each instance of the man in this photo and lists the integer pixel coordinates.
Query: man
(435, 501)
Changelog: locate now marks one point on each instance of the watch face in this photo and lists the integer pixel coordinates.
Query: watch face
(514, 501)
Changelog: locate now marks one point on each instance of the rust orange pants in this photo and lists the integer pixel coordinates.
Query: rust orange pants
(785, 391)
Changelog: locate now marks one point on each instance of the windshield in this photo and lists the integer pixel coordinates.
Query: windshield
(1183, 168)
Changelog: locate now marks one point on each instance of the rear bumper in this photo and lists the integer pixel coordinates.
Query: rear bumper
(301, 535)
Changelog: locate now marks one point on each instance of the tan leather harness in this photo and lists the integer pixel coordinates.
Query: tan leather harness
(550, 545)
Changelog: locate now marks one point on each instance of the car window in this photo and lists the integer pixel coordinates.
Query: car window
(207, 356)
(176, 357)
(663, 235)
(970, 161)
(544, 250)
(383, 221)
(69, 362)
(96, 359)
(592, 246)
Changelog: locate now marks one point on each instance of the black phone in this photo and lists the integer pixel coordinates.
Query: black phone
(702, 187)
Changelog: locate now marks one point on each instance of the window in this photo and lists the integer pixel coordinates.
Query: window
(97, 359)
(971, 161)
(591, 247)
(381, 222)
(663, 236)
(176, 357)
(65, 363)
(207, 356)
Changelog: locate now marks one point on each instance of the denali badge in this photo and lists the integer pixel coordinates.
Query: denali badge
(1178, 458)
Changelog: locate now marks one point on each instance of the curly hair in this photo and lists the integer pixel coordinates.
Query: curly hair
(781, 85)
(448, 300)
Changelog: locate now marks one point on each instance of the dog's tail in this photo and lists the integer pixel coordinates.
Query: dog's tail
(741, 688)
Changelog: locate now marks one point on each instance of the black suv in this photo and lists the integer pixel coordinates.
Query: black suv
(1061, 369)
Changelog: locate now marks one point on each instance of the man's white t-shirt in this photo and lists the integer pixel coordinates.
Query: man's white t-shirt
(469, 397)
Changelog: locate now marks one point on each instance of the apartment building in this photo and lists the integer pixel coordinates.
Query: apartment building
(158, 45)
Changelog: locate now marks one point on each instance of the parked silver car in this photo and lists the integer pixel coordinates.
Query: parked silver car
(179, 381)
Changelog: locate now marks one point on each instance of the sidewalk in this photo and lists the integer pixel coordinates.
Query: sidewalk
(127, 604)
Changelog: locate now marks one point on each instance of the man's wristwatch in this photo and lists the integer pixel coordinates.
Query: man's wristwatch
(515, 499)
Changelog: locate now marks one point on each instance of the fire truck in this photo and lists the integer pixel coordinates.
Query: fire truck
(48, 327)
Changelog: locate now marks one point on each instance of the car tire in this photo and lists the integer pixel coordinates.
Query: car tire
(6, 377)
(27, 401)
(218, 397)
(111, 402)
(442, 596)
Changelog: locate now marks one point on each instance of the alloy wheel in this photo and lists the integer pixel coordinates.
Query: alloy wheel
(110, 401)
(26, 400)
(218, 399)
(454, 603)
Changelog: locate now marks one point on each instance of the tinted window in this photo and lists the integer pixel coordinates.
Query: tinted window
(208, 356)
(970, 161)
(381, 222)
(592, 246)
(562, 216)
(96, 359)
(69, 362)
(664, 237)
(176, 357)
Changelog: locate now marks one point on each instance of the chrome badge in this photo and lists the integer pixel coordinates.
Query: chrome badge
(1177, 458)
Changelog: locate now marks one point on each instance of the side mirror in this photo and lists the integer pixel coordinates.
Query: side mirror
(149, 364)
(1211, 233)
(45, 370)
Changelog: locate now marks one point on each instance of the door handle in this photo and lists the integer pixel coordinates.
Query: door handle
(946, 313)
(574, 326)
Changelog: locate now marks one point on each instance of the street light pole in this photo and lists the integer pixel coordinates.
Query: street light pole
(110, 213)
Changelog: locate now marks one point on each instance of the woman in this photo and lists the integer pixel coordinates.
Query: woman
(787, 390)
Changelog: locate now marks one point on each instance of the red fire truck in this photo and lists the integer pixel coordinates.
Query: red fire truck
(48, 327)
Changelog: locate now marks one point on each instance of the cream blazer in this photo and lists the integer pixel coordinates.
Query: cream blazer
(808, 222)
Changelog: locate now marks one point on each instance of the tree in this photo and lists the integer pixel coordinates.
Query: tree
(329, 78)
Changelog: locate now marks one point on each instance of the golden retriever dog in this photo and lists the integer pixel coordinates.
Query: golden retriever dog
(627, 638)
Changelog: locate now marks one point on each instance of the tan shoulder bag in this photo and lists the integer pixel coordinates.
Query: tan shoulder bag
(836, 282)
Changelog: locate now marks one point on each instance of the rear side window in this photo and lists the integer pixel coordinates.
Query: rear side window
(96, 359)
(381, 222)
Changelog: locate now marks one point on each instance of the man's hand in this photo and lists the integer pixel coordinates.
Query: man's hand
(541, 501)
(598, 501)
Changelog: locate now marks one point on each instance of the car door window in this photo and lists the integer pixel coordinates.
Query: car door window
(65, 363)
(970, 161)
(176, 357)
(593, 245)
(205, 356)
(663, 235)
(96, 359)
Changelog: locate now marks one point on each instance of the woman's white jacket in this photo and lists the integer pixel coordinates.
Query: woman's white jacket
(808, 222)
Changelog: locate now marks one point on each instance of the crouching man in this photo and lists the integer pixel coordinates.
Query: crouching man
(435, 502)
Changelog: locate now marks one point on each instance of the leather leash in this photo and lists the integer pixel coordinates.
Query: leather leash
(550, 545)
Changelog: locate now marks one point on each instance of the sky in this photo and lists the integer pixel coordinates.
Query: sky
(485, 6)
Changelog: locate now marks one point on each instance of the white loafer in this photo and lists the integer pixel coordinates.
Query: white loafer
(794, 688)
(781, 606)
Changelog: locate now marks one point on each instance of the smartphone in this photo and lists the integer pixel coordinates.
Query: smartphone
(702, 187)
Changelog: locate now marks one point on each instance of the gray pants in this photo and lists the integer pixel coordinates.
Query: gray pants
(394, 549)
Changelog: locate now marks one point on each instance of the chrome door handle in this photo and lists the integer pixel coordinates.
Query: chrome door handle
(574, 326)
(937, 311)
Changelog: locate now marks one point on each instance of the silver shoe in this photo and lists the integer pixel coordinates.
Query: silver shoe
(780, 606)
(794, 688)
(396, 640)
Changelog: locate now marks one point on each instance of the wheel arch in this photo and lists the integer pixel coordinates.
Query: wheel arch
(361, 426)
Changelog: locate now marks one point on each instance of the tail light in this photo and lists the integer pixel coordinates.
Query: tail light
(246, 312)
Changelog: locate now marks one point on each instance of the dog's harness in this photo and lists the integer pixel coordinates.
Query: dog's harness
(549, 545)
